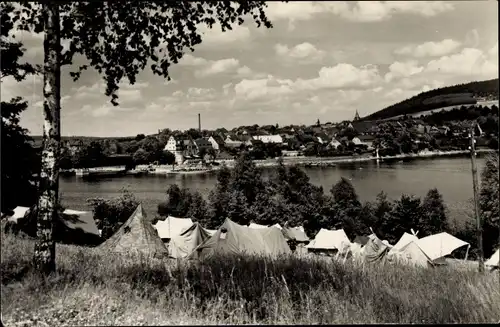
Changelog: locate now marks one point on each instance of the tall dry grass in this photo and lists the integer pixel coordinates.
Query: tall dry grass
(90, 287)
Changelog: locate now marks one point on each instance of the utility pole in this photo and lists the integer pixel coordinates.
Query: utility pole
(476, 200)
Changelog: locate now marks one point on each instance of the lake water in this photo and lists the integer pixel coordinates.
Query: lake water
(451, 176)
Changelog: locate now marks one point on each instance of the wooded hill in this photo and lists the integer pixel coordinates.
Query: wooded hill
(459, 94)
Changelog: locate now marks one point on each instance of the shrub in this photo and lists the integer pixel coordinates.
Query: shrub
(110, 214)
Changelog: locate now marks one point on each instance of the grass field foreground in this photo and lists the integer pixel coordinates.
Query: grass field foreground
(93, 288)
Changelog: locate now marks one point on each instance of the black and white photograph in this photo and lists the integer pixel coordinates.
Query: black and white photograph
(249, 163)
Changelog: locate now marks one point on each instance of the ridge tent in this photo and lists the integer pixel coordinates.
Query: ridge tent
(136, 236)
(375, 250)
(330, 240)
(232, 238)
(182, 245)
(438, 246)
(257, 226)
(172, 226)
(405, 240)
(278, 226)
(493, 261)
(211, 231)
(295, 233)
(410, 254)
(71, 226)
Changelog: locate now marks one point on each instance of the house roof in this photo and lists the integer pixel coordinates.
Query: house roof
(218, 139)
(202, 142)
(269, 138)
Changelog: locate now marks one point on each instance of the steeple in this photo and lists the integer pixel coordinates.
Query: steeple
(356, 116)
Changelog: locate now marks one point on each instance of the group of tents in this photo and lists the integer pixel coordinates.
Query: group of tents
(183, 238)
(188, 239)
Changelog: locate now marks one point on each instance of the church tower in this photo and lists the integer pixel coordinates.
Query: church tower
(356, 116)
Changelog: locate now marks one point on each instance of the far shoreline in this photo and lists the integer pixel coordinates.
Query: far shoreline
(321, 162)
(288, 161)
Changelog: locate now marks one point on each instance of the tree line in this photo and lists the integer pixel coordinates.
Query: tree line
(441, 97)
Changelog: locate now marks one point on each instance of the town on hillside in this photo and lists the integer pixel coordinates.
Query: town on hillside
(444, 130)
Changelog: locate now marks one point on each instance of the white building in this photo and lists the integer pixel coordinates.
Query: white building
(277, 139)
(171, 145)
(334, 143)
(215, 143)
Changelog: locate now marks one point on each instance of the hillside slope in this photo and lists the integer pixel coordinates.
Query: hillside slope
(442, 97)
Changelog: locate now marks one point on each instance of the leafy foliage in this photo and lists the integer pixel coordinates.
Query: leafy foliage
(110, 214)
(183, 203)
(404, 216)
(488, 205)
(20, 162)
(433, 219)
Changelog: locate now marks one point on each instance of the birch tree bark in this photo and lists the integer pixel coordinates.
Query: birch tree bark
(44, 257)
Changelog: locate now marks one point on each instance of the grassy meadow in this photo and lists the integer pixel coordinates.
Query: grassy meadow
(93, 288)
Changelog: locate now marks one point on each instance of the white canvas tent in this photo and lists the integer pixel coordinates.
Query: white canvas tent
(410, 254)
(257, 226)
(277, 226)
(438, 246)
(330, 240)
(387, 243)
(404, 241)
(211, 231)
(493, 261)
(19, 212)
(172, 226)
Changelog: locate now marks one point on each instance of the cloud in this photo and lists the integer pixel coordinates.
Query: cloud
(472, 38)
(258, 88)
(219, 67)
(469, 62)
(228, 66)
(102, 110)
(201, 94)
(493, 52)
(214, 37)
(430, 49)
(342, 76)
(129, 95)
(302, 53)
(361, 11)
(403, 69)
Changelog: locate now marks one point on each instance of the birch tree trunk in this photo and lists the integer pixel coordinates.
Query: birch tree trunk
(44, 257)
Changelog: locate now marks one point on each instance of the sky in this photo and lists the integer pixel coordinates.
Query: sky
(321, 60)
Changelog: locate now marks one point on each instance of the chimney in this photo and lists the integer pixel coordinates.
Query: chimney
(199, 123)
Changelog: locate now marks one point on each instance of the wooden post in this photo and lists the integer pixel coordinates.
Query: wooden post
(479, 224)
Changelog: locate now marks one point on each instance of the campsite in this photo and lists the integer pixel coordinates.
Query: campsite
(244, 274)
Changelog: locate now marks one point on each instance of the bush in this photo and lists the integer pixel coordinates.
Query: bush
(110, 214)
